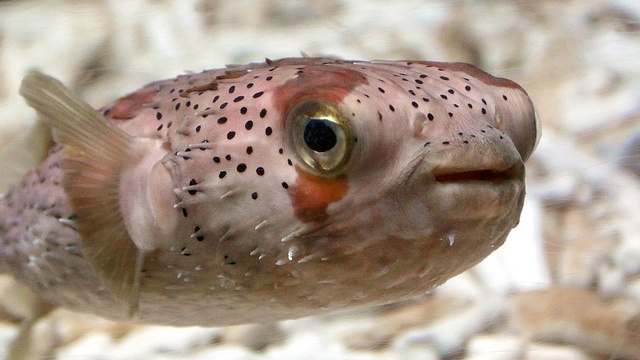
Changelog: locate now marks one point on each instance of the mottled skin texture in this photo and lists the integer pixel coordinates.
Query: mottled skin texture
(433, 183)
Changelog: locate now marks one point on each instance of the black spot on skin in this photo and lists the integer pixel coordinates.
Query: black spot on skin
(241, 167)
(468, 88)
(269, 78)
(222, 174)
(198, 128)
(243, 110)
(484, 111)
(444, 96)
(427, 143)
(465, 142)
(268, 131)
(444, 78)
(504, 97)
(158, 115)
(425, 99)
(258, 94)
(215, 99)
(230, 135)
(228, 260)
(430, 116)
(249, 150)
(196, 106)
(222, 120)
(159, 127)
(177, 106)
(248, 125)
(200, 237)
(412, 92)
(228, 157)
(285, 185)
(263, 113)
(422, 76)
(223, 105)
(381, 90)
(184, 212)
(260, 171)
(238, 99)
(188, 103)
(391, 108)
(445, 143)
(216, 159)
(281, 151)
(185, 252)
(249, 85)
(232, 89)
(191, 183)
(484, 101)
(418, 81)
(450, 114)
(414, 104)
(254, 195)
(470, 105)
(450, 91)
(289, 162)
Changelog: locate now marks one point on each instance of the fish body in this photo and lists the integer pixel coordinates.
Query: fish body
(268, 191)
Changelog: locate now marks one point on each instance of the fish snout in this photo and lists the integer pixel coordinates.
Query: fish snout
(520, 121)
(477, 178)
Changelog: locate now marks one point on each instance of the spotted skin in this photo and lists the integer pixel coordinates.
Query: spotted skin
(247, 230)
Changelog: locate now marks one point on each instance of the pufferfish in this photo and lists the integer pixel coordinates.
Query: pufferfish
(268, 191)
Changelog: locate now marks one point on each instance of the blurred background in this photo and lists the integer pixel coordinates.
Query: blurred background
(566, 285)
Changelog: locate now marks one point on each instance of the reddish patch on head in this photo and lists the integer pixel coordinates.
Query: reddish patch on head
(323, 82)
(311, 195)
(129, 106)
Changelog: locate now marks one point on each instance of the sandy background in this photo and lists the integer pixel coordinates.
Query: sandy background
(565, 286)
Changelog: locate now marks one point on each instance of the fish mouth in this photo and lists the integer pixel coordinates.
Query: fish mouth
(514, 172)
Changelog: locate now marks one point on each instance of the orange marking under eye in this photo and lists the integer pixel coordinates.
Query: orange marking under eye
(311, 195)
(129, 106)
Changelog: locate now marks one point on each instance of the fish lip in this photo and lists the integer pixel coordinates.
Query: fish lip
(515, 172)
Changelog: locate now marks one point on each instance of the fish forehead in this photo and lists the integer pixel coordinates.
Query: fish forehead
(236, 93)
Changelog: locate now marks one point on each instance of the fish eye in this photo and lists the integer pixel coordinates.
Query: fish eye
(321, 136)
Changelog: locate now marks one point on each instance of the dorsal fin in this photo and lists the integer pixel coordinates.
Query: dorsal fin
(96, 154)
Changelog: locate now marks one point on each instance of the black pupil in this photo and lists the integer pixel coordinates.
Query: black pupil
(319, 136)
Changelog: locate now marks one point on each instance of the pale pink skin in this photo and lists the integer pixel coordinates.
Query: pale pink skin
(424, 196)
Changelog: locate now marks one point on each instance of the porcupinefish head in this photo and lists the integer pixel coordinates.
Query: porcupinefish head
(291, 187)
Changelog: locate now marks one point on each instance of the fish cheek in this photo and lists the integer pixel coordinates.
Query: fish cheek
(311, 195)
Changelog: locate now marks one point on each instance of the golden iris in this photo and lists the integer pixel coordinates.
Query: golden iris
(321, 136)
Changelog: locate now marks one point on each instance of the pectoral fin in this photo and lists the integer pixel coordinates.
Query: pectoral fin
(96, 154)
